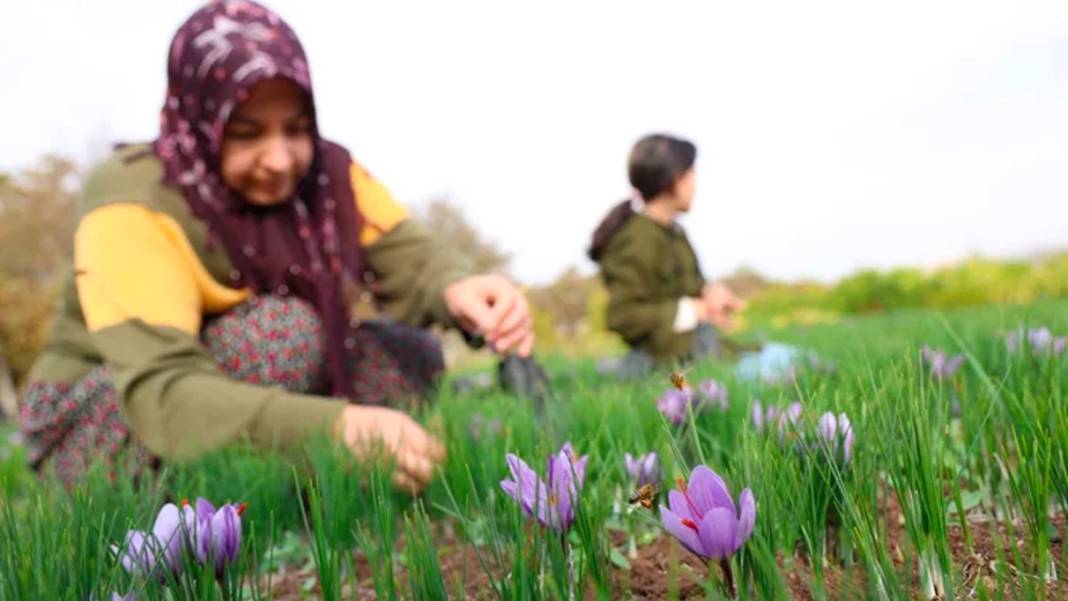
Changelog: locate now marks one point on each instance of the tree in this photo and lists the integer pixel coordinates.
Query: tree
(566, 300)
(37, 219)
(36, 238)
(745, 281)
(448, 222)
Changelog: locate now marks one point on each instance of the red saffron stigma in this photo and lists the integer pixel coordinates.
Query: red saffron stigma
(241, 507)
(689, 524)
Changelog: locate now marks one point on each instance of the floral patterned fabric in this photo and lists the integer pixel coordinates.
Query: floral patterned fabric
(267, 341)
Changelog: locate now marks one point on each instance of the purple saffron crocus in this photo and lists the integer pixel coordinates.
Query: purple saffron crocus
(941, 365)
(673, 403)
(703, 517)
(1040, 340)
(154, 554)
(837, 434)
(214, 534)
(127, 597)
(553, 503)
(643, 469)
(1043, 341)
(764, 417)
(710, 391)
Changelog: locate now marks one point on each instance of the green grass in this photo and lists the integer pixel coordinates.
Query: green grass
(1003, 460)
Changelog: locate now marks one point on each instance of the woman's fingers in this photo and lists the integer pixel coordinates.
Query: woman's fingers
(434, 449)
(513, 312)
(416, 466)
(405, 483)
(526, 346)
(512, 339)
(515, 327)
(371, 431)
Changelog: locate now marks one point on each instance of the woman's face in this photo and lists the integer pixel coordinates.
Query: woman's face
(267, 143)
(683, 190)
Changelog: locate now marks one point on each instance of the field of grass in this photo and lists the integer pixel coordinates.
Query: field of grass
(954, 488)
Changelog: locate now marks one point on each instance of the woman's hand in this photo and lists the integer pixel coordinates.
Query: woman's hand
(492, 306)
(721, 304)
(369, 431)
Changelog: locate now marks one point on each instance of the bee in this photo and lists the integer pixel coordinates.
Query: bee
(645, 495)
(678, 379)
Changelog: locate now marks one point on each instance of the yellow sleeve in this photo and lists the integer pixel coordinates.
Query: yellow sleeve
(129, 268)
(142, 291)
(376, 205)
(133, 263)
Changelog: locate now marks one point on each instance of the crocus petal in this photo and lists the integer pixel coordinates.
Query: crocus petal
(511, 488)
(136, 557)
(650, 469)
(794, 412)
(1012, 340)
(952, 365)
(523, 475)
(167, 521)
(205, 510)
(651, 463)
(746, 518)
(568, 451)
(189, 523)
(225, 535)
(672, 404)
(685, 535)
(707, 490)
(167, 531)
(844, 425)
(567, 473)
(678, 505)
(828, 427)
(757, 415)
(847, 445)
(1040, 338)
(561, 507)
(718, 532)
(927, 353)
(632, 466)
(578, 471)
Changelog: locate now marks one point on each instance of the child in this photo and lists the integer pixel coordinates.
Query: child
(214, 269)
(659, 301)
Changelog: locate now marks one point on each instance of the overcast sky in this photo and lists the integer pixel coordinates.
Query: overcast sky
(831, 136)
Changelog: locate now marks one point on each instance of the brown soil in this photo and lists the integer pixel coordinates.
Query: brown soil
(663, 569)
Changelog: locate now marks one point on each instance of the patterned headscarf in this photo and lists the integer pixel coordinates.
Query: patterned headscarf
(307, 246)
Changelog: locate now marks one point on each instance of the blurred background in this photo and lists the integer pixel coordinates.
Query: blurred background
(852, 158)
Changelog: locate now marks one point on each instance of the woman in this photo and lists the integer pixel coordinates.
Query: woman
(213, 271)
(659, 301)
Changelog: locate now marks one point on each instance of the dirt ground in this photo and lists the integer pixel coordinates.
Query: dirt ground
(663, 566)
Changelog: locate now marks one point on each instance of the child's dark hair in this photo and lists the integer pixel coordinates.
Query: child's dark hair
(656, 162)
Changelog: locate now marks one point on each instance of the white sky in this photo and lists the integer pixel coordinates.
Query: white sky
(830, 136)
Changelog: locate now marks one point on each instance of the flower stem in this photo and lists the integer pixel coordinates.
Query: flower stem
(728, 576)
(570, 571)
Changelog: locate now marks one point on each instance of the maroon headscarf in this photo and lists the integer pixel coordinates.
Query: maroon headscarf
(307, 246)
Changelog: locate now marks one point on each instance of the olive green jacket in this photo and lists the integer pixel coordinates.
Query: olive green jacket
(175, 398)
(647, 267)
